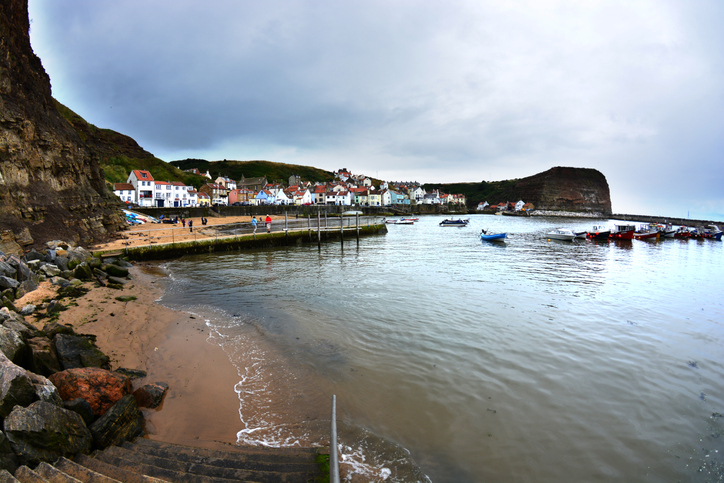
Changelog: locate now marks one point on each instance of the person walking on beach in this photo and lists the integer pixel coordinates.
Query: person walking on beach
(183, 222)
(191, 226)
(253, 223)
(268, 224)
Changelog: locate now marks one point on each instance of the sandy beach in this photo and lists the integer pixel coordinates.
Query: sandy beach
(152, 233)
(201, 406)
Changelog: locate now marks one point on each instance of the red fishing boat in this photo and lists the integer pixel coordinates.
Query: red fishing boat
(623, 232)
(599, 232)
(646, 232)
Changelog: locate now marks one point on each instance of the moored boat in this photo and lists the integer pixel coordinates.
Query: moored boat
(451, 222)
(561, 234)
(646, 232)
(682, 233)
(599, 232)
(622, 232)
(711, 232)
(485, 236)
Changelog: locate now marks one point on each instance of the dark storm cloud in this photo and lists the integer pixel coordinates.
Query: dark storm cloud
(449, 91)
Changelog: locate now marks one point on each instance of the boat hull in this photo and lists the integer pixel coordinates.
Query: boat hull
(494, 237)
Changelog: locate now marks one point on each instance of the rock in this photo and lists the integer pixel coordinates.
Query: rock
(24, 238)
(82, 272)
(54, 306)
(59, 281)
(54, 328)
(118, 281)
(26, 287)
(44, 389)
(81, 406)
(79, 351)
(50, 255)
(115, 271)
(16, 388)
(7, 270)
(151, 395)
(16, 322)
(8, 243)
(50, 270)
(79, 253)
(61, 263)
(43, 358)
(45, 432)
(7, 282)
(132, 373)
(32, 255)
(122, 422)
(101, 388)
(12, 345)
(8, 460)
(27, 310)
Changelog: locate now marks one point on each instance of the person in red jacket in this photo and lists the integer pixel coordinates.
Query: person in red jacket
(268, 223)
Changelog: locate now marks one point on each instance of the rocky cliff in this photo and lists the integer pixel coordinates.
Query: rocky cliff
(51, 184)
(566, 189)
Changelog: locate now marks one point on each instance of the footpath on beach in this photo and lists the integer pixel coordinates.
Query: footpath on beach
(152, 241)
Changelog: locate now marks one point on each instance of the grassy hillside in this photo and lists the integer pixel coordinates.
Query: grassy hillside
(494, 192)
(274, 172)
(119, 154)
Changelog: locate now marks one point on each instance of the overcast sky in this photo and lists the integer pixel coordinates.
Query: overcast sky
(429, 91)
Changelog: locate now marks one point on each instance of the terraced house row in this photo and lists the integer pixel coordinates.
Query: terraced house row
(143, 190)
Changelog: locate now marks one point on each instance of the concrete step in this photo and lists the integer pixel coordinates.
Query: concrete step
(146, 461)
(278, 460)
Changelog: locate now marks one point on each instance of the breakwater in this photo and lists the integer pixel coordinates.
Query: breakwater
(665, 219)
(221, 242)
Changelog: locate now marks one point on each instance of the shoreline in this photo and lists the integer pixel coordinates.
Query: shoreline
(171, 346)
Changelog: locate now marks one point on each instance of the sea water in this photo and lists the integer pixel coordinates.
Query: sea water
(455, 360)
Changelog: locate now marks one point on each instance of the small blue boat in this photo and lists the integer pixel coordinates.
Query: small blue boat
(492, 236)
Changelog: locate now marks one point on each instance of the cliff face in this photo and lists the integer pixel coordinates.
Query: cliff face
(51, 184)
(566, 189)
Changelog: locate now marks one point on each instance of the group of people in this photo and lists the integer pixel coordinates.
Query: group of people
(268, 221)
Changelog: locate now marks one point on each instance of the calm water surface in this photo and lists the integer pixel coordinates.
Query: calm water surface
(460, 361)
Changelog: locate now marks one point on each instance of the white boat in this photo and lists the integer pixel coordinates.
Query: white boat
(561, 234)
(400, 221)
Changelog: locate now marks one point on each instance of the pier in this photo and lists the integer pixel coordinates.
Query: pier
(166, 241)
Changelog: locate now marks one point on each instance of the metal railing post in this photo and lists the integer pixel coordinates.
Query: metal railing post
(333, 457)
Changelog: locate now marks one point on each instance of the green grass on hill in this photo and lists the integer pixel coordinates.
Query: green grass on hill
(274, 172)
(494, 192)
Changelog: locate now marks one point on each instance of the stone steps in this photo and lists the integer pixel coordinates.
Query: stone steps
(146, 461)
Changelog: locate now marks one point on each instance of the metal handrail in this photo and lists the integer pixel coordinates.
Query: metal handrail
(333, 457)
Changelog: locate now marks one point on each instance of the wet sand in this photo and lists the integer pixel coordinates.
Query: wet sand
(201, 407)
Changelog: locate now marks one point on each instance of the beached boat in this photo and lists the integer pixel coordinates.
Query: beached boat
(598, 232)
(561, 234)
(484, 236)
(646, 232)
(622, 232)
(451, 222)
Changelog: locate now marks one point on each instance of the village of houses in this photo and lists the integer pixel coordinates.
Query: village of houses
(141, 189)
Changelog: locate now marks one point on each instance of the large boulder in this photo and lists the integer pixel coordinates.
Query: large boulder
(79, 351)
(11, 344)
(122, 422)
(101, 388)
(8, 460)
(16, 387)
(45, 432)
(43, 358)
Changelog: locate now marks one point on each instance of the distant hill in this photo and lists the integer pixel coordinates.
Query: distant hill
(274, 172)
(559, 189)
